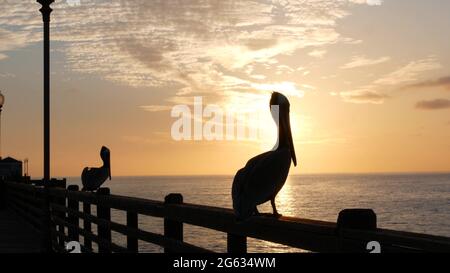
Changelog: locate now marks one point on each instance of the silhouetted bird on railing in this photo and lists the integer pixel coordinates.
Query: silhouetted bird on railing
(93, 178)
(264, 175)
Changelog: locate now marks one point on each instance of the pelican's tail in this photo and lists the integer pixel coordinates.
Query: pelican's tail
(242, 208)
(84, 176)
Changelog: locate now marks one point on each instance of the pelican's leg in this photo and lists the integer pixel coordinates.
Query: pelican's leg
(274, 208)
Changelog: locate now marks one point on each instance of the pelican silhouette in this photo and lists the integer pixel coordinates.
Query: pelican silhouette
(264, 175)
(93, 178)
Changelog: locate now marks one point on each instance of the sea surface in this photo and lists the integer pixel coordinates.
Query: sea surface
(406, 202)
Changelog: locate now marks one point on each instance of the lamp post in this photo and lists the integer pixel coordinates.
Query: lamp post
(46, 10)
(2, 101)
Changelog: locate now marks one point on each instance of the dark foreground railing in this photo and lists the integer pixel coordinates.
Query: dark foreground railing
(56, 212)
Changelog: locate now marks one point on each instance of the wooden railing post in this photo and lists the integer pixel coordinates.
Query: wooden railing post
(132, 222)
(359, 219)
(54, 183)
(87, 225)
(173, 229)
(61, 228)
(103, 213)
(46, 222)
(73, 205)
(236, 244)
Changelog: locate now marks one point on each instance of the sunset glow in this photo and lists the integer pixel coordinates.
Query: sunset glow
(368, 82)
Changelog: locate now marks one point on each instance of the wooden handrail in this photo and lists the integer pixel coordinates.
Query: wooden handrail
(317, 236)
(104, 243)
(398, 240)
(299, 233)
(146, 236)
(133, 204)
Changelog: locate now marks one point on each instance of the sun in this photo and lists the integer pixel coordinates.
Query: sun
(252, 111)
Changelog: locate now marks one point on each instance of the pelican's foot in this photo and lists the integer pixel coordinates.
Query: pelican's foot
(276, 215)
(266, 214)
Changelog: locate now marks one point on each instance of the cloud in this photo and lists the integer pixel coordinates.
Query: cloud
(6, 75)
(405, 74)
(288, 88)
(441, 82)
(186, 46)
(363, 96)
(360, 61)
(73, 3)
(318, 53)
(11, 40)
(155, 108)
(436, 104)
(258, 44)
(410, 72)
(368, 2)
(374, 2)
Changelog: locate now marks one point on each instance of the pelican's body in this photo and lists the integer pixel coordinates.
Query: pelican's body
(93, 178)
(264, 175)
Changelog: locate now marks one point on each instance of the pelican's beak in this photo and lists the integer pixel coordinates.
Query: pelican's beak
(108, 162)
(109, 167)
(286, 123)
(106, 157)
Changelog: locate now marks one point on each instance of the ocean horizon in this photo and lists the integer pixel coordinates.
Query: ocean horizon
(72, 177)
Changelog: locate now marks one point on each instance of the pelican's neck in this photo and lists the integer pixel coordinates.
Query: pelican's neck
(106, 164)
(282, 138)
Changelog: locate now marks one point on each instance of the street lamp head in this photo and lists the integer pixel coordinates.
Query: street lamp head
(45, 10)
(45, 2)
(2, 100)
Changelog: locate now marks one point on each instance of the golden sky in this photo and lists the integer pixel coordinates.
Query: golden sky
(368, 82)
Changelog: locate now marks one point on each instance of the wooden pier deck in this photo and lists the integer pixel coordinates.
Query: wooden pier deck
(16, 235)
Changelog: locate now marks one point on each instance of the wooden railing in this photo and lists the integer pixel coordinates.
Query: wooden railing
(57, 211)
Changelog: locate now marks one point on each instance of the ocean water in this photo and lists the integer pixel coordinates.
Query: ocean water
(407, 202)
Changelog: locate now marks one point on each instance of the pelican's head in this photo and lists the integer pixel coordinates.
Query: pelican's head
(281, 116)
(280, 100)
(105, 156)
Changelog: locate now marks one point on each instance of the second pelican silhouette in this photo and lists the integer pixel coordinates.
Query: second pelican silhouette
(93, 178)
(264, 175)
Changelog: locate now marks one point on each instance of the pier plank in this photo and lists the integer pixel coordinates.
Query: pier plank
(17, 236)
